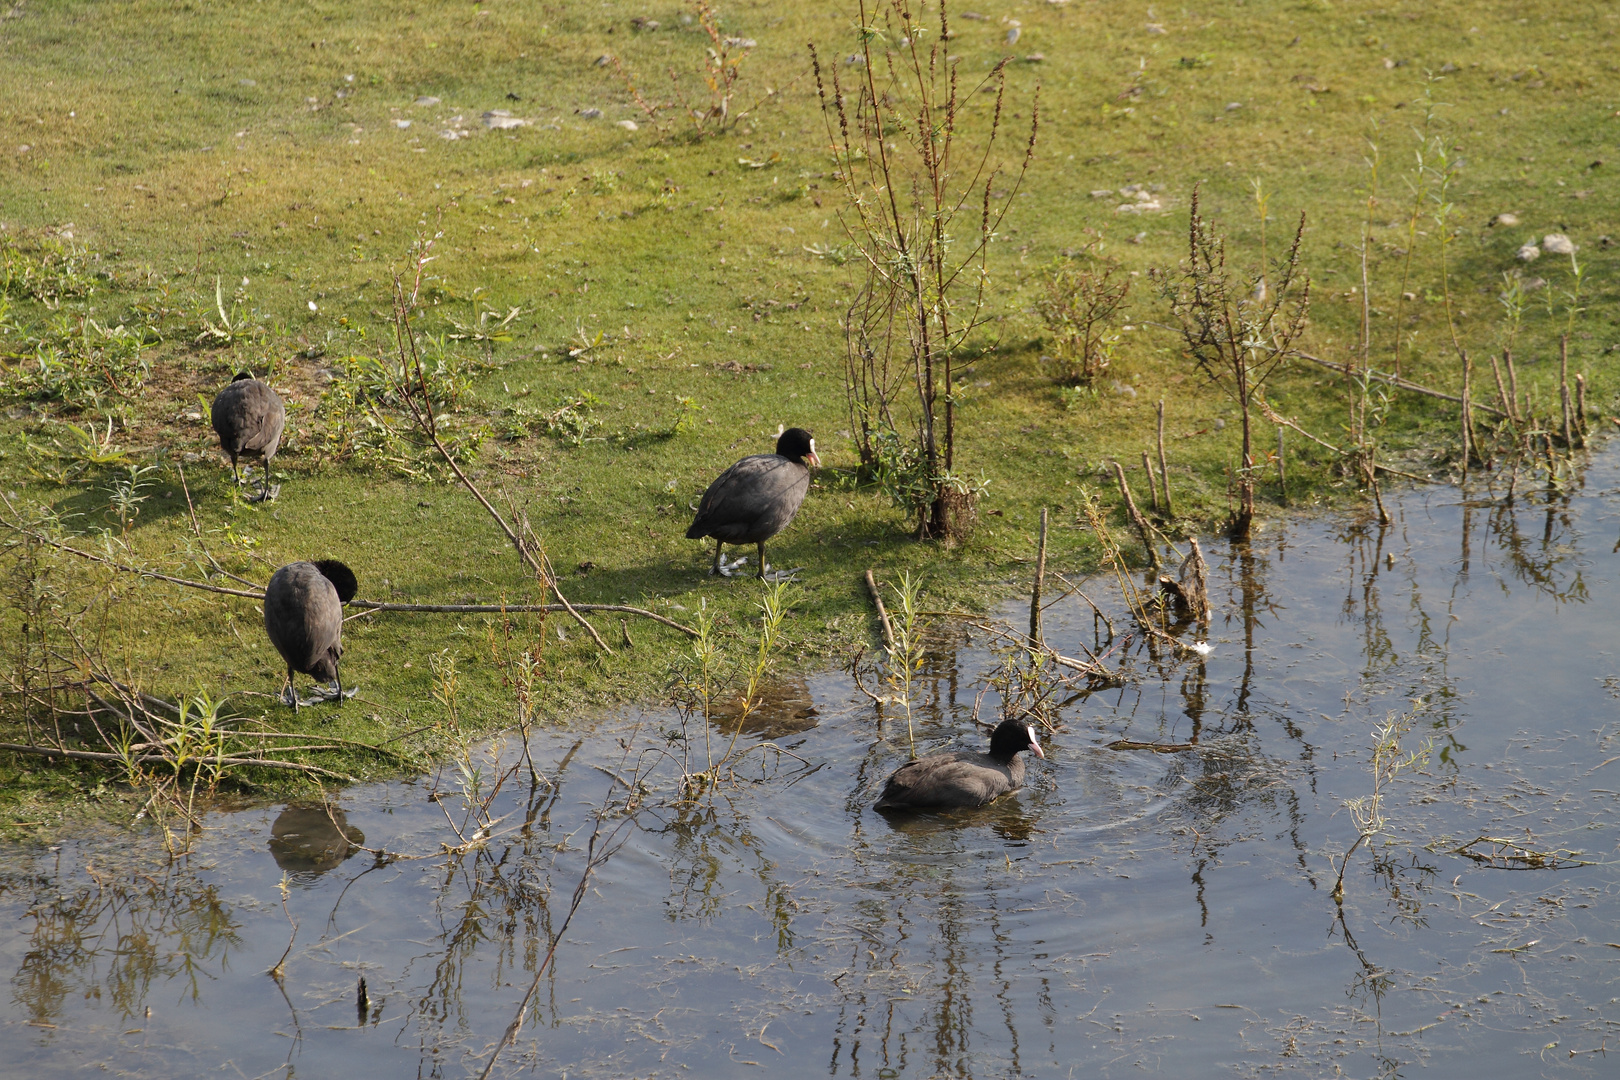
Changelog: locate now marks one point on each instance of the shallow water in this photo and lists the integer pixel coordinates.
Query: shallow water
(1129, 912)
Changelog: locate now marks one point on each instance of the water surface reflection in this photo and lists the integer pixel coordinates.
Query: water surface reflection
(1156, 900)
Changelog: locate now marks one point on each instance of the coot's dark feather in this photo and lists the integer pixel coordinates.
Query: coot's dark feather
(961, 777)
(248, 416)
(303, 614)
(756, 498)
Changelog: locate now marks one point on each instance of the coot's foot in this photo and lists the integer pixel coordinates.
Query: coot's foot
(731, 569)
(775, 576)
(323, 694)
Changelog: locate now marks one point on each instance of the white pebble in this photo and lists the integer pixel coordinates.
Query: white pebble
(1557, 244)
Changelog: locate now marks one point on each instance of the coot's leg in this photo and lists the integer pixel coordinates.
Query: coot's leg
(715, 569)
(761, 574)
(337, 680)
(289, 691)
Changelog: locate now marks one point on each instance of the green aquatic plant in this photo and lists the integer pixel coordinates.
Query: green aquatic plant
(1389, 760)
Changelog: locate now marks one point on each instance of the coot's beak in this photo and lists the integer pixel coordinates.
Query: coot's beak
(1035, 746)
(810, 455)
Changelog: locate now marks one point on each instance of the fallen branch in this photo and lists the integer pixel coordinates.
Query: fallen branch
(363, 605)
(1397, 382)
(883, 612)
(1156, 747)
(367, 606)
(419, 401)
(594, 857)
(94, 755)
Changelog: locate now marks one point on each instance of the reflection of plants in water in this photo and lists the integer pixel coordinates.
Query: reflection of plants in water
(117, 934)
(1389, 760)
(705, 682)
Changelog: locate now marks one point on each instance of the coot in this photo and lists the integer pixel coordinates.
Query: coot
(248, 417)
(756, 498)
(303, 614)
(961, 777)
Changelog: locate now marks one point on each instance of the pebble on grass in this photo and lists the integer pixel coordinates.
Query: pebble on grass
(1557, 244)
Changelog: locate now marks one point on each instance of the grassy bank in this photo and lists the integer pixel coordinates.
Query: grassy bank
(188, 190)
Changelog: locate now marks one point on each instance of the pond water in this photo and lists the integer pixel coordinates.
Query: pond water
(1130, 912)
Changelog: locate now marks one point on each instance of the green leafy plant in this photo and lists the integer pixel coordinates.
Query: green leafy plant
(916, 153)
(1389, 760)
(1238, 330)
(1077, 300)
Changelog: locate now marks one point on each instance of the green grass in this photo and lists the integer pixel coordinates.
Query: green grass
(182, 144)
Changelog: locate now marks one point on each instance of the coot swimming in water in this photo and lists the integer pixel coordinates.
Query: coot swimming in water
(248, 417)
(303, 614)
(961, 777)
(756, 498)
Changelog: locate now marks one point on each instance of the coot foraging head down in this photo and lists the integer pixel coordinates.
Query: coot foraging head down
(756, 498)
(303, 614)
(961, 777)
(248, 417)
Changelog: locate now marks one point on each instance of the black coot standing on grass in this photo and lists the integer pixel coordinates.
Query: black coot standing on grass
(961, 777)
(756, 498)
(248, 417)
(303, 614)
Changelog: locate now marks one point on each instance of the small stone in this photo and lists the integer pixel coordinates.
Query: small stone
(629, 125)
(1103, 193)
(501, 120)
(1233, 106)
(402, 124)
(1408, 296)
(1013, 35)
(1220, 425)
(1557, 244)
(424, 101)
(1505, 219)
(1528, 253)
(590, 114)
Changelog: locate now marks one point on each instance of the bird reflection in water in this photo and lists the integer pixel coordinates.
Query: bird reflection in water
(1006, 817)
(308, 840)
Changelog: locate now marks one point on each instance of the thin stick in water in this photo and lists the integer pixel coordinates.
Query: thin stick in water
(1563, 389)
(1513, 390)
(1136, 516)
(1580, 408)
(1164, 469)
(1040, 576)
(1153, 490)
(1282, 473)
